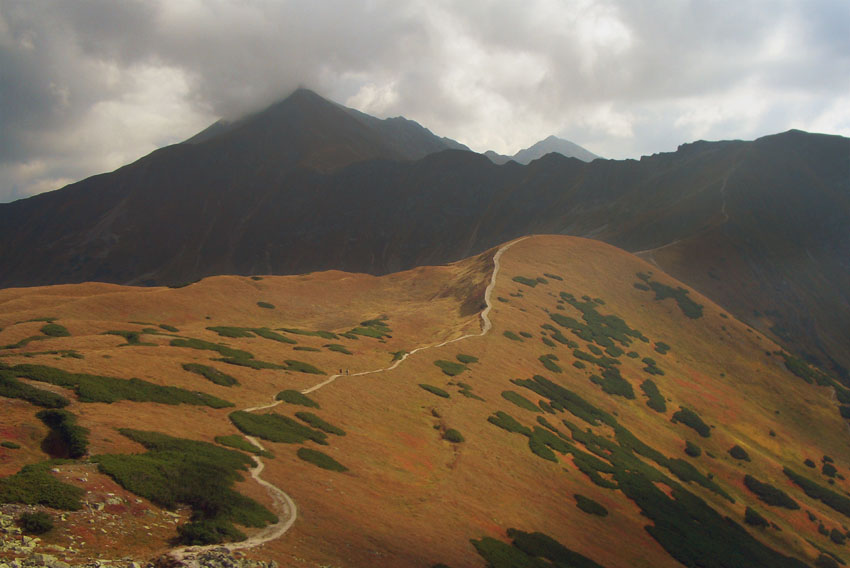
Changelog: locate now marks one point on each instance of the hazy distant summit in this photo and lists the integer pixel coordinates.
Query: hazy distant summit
(550, 145)
(327, 135)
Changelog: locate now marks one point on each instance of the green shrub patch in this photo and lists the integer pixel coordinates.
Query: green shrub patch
(556, 334)
(266, 333)
(684, 525)
(754, 519)
(826, 496)
(66, 439)
(564, 399)
(651, 366)
(240, 443)
(25, 341)
(507, 422)
(228, 331)
(662, 291)
(603, 362)
(266, 305)
(93, 388)
(376, 328)
(590, 506)
(295, 397)
(10, 387)
(453, 436)
(828, 560)
(55, 330)
(806, 372)
(600, 329)
(302, 367)
(38, 522)
(322, 334)
(530, 282)
(33, 485)
(320, 459)
(250, 363)
(511, 335)
(691, 419)
(223, 350)
(10, 445)
(467, 359)
(549, 362)
(276, 428)
(529, 550)
(739, 453)
(243, 332)
(434, 390)
(337, 348)
(692, 449)
(519, 400)
(466, 390)
(769, 494)
(177, 471)
(690, 530)
(612, 382)
(450, 368)
(655, 400)
(131, 337)
(317, 422)
(211, 374)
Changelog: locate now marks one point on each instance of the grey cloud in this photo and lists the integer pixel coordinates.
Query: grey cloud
(622, 78)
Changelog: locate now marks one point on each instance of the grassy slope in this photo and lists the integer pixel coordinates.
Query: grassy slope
(406, 487)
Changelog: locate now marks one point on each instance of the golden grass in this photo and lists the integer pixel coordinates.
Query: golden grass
(409, 497)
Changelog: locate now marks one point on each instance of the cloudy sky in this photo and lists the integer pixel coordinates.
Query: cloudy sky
(89, 85)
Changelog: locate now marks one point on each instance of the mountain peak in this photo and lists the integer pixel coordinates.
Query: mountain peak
(303, 94)
(305, 129)
(549, 145)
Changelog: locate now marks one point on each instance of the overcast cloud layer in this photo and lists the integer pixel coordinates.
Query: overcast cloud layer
(89, 85)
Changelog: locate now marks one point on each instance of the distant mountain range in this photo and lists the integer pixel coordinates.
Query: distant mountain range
(307, 185)
(552, 144)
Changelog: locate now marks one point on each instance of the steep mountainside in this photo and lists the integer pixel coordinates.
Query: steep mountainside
(596, 413)
(309, 185)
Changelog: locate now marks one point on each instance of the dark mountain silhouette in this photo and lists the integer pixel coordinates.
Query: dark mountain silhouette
(540, 149)
(306, 185)
(329, 135)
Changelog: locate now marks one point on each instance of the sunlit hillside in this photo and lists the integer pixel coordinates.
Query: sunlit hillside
(553, 398)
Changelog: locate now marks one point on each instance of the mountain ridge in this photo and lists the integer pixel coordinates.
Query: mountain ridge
(756, 225)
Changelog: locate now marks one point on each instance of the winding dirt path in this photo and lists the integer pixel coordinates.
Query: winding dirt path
(284, 506)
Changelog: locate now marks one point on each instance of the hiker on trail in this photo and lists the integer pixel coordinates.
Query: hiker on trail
(340, 371)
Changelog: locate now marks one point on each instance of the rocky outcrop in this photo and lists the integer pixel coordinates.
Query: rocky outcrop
(18, 550)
